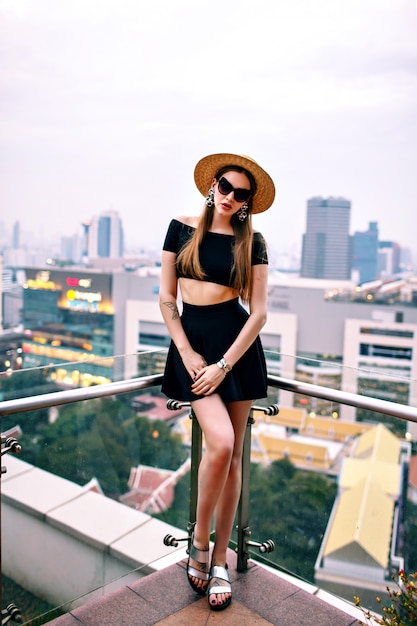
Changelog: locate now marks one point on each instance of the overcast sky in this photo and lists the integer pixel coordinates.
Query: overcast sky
(108, 104)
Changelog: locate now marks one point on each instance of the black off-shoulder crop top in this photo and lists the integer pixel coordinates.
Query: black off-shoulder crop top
(216, 252)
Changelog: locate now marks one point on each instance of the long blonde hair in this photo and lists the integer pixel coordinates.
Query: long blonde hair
(188, 259)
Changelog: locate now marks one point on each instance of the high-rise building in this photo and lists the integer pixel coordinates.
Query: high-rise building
(72, 249)
(389, 256)
(16, 235)
(85, 247)
(326, 243)
(110, 236)
(69, 314)
(365, 253)
(103, 237)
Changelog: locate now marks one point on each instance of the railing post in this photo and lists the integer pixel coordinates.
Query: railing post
(242, 528)
(243, 508)
(11, 612)
(196, 452)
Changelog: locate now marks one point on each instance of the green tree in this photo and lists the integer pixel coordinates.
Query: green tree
(87, 441)
(100, 438)
(151, 442)
(292, 508)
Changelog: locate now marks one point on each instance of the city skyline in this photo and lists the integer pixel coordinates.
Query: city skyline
(73, 248)
(108, 107)
(290, 260)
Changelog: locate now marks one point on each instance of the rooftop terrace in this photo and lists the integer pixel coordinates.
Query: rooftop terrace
(260, 597)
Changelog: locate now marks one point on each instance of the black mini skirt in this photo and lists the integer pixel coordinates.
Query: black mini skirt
(211, 330)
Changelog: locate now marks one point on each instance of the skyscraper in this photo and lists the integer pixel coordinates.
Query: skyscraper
(389, 255)
(365, 253)
(326, 243)
(103, 236)
(16, 236)
(86, 227)
(110, 235)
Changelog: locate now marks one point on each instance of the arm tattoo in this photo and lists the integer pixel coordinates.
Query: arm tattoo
(174, 309)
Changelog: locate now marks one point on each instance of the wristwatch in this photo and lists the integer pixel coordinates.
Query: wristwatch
(224, 366)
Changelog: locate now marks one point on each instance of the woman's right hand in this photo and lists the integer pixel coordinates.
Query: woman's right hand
(193, 362)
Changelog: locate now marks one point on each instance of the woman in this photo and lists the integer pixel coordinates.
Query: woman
(216, 360)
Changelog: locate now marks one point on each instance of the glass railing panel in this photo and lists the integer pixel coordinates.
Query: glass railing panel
(84, 373)
(127, 449)
(345, 515)
(392, 382)
(34, 610)
(99, 375)
(300, 469)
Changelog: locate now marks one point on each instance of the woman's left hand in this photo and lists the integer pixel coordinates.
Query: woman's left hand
(207, 380)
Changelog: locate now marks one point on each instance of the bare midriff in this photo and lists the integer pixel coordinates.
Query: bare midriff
(202, 293)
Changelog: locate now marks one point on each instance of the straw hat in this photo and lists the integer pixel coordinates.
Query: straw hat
(206, 169)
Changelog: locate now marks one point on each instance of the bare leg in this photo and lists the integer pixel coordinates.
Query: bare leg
(219, 439)
(229, 498)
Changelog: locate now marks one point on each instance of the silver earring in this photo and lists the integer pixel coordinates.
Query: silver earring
(210, 198)
(243, 212)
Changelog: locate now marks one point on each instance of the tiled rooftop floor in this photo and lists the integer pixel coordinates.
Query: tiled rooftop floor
(166, 599)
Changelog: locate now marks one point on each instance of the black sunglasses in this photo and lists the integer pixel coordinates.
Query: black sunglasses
(241, 195)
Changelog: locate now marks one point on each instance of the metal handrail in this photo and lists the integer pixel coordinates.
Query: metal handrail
(57, 398)
(402, 411)
(20, 405)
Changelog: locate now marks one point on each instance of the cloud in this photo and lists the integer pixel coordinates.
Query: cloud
(107, 102)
